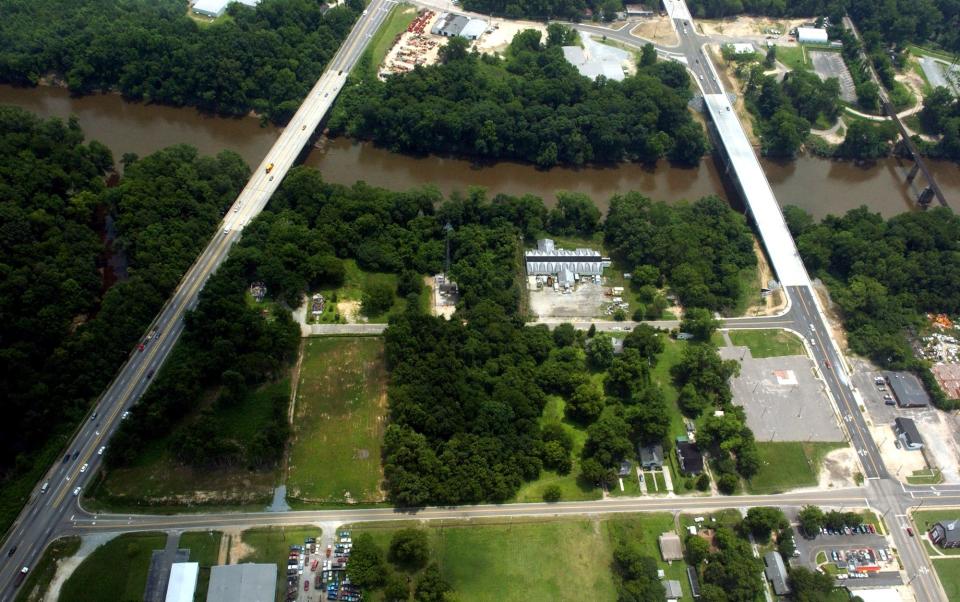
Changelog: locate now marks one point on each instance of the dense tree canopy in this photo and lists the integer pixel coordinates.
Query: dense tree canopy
(707, 274)
(531, 106)
(264, 59)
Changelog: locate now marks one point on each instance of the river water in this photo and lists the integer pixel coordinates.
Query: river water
(817, 185)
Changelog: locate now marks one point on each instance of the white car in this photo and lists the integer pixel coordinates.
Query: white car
(76, 492)
(84, 468)
(101, 450)
(124, 416)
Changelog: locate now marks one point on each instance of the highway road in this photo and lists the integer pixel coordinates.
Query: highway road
(45, 514)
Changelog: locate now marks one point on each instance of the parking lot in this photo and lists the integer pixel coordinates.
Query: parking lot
(861, 556)
(830, 64)
(318, 572)
(936, 72)
(938, 436)
(783, 398)
(586, 300)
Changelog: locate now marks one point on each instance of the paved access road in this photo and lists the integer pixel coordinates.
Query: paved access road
(46, 513)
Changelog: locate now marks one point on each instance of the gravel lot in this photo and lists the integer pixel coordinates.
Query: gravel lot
(936, 73)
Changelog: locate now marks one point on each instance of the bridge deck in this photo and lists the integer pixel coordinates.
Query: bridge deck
(757, 193)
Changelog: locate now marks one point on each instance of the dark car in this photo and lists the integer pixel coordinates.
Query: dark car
(150, 373)
(11, 551)
(66, 458)
(75, 454)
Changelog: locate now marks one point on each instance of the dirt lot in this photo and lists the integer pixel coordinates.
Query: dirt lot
(658, 30)
(498, 40)
(744, 26)
(585, 301)
(900, 462)
(774, 302)
(838, 469)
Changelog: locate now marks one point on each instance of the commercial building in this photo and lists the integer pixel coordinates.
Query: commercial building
(690, 458)
(907, 389)
(811, 35)
(946, 534)
(563, 264)
(243, 583)
(452, 24)
(638, 10)
(776, 572)
(670, 547)
(183, 581)
(907, 432)
(651, 457)
(215, 8)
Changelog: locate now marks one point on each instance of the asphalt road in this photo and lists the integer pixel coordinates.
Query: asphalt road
(45, 514)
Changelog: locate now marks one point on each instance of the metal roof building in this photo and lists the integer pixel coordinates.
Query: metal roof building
(183, 581)
(776, 572)
(908, 389)
(243, 583)
(815, 35)
(215, 8)
(473, 29)
(672, 589)
(449, 25)
(670, 547)
(547, 259)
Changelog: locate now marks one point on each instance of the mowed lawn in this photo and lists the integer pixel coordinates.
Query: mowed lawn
(339, 421)
(566, 559)
(768, 343)
(204, 549)
(786, 465)
(116, 571)
(948, 570)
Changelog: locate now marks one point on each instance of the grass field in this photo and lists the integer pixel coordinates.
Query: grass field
(156, 478)
(271, 545)
(204, 548)
(356, 280)
(115, 571)
(768, 343)
(537, 559)
(339, 421)
(949, 573)
(928, 476)
(794, 57)
(41, 574)
(400, 17)
(788, 465)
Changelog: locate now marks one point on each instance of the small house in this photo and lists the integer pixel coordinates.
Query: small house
(625, 467)
(907, 432)
(689, 457)
(672, 589)
(670, 547)
(946, 534)
(651, 457)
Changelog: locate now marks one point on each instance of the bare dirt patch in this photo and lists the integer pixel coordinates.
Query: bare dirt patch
(838, 469)
(658, 30)
(774, 302)
(238, 549)
(497, 41)
(744, 26)
(349, 310)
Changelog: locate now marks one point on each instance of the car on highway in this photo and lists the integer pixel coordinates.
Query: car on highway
(66, 458)
(76, 492)
(910, 531)
(150, 373)
(93, 417)
(365, 13)
(102, 449)
(226, 230)
(269, 167)
(21, 576)
(75, 454)
(140, 347)
(84, 468)
(11, 551)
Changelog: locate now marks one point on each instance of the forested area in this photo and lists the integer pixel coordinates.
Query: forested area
(719, 9)
(787, 109)
(884, 275)
(532, 106)
(702, 249)
(65, 334)
(264, 60)
(573, 10)
(941, 116)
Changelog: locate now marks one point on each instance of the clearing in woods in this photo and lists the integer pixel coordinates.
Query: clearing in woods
(338, 422)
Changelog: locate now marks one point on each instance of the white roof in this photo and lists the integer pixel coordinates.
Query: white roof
(210, 7)
(183, 581)
(473, 28)
(811, 33)
(242, 583)
(757, 193)
(742, 48)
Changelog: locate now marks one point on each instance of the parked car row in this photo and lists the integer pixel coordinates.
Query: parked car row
(855, 530)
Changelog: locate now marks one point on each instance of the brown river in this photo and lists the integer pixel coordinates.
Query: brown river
(817, 185)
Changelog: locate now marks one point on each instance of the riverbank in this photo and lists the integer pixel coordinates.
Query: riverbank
(819, 186)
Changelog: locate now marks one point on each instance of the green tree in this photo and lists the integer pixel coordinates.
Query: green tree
(696, 549)
(811, 520)
(700, 323)
(409, 549)
(648, 55)
(377, 298)
(809, 586)
(585, 404)
(397, 588)
(430, 586)
(761, 521)
(552, 493)
(727, 483)
(599, 351)
(366, 568)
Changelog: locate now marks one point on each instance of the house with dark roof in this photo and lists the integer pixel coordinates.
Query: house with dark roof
(694, 580)
(907, 432)
(651, 457)
(946, 534)
(776, 572)
(690, 458)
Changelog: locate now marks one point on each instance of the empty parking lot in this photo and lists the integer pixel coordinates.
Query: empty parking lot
(830, 64)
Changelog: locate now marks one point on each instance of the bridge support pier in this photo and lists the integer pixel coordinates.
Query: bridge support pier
(926, 197)
(913, 172)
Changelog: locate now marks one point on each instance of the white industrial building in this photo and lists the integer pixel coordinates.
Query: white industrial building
(566, 265)
(215, 8)
(242, 583)
(183, 581)
(811, 35)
